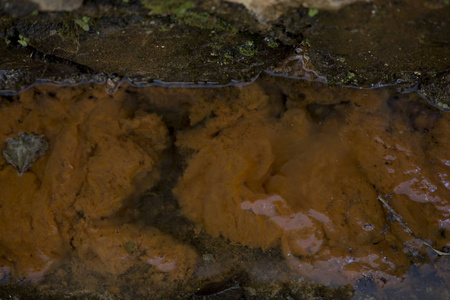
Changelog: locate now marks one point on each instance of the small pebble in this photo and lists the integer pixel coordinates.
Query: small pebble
(207, 257)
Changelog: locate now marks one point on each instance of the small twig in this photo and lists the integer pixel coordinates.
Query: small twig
(407, 229)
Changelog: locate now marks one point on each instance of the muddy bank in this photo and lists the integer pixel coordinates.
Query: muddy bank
(362, 44)
(256, 191)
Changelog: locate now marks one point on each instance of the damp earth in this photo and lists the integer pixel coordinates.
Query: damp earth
(265, 190)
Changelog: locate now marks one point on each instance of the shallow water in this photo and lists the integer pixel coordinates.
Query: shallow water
(270, 190)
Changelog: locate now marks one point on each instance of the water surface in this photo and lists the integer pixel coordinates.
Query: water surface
(261, 191)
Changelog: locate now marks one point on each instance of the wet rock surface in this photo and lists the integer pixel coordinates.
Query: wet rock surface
(380, 43)
(435, 89)
(141, 42)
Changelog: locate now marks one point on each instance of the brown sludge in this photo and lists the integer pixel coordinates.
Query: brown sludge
(278, 163)
(101, 149)
(307, 176)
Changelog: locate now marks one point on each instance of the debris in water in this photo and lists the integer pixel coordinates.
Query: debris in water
(407, 229)
(24, 150)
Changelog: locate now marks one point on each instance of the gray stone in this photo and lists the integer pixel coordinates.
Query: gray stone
(269, 10)
(24, 150)
(58, 5)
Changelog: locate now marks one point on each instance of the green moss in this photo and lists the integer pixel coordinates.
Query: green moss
(228, 56)
(83, 23)
(348, 78)
(249, 49)
(205, 20)
(422, 39)
(164, 28)
(69, 30)
(271, 43)
(66, 30)
(168, 7)
(23, 40)
(305, 43)
(199, 20)
(312, 12)
(222, 25)
(185, 7)
(73, 28)
(182, 12)
(130, 246)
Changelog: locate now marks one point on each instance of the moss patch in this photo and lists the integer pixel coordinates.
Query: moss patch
(168, 7)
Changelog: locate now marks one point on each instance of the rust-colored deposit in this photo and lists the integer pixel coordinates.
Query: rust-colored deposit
(100, 150)
(306, 175)
(278, 164)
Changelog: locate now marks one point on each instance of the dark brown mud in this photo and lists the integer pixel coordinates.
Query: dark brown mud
(270, 190)
(381, 42)
(143, 42)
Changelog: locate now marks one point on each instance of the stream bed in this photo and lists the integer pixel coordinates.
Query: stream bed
(279, 189)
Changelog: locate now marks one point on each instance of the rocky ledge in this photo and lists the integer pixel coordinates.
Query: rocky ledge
(203, 42)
